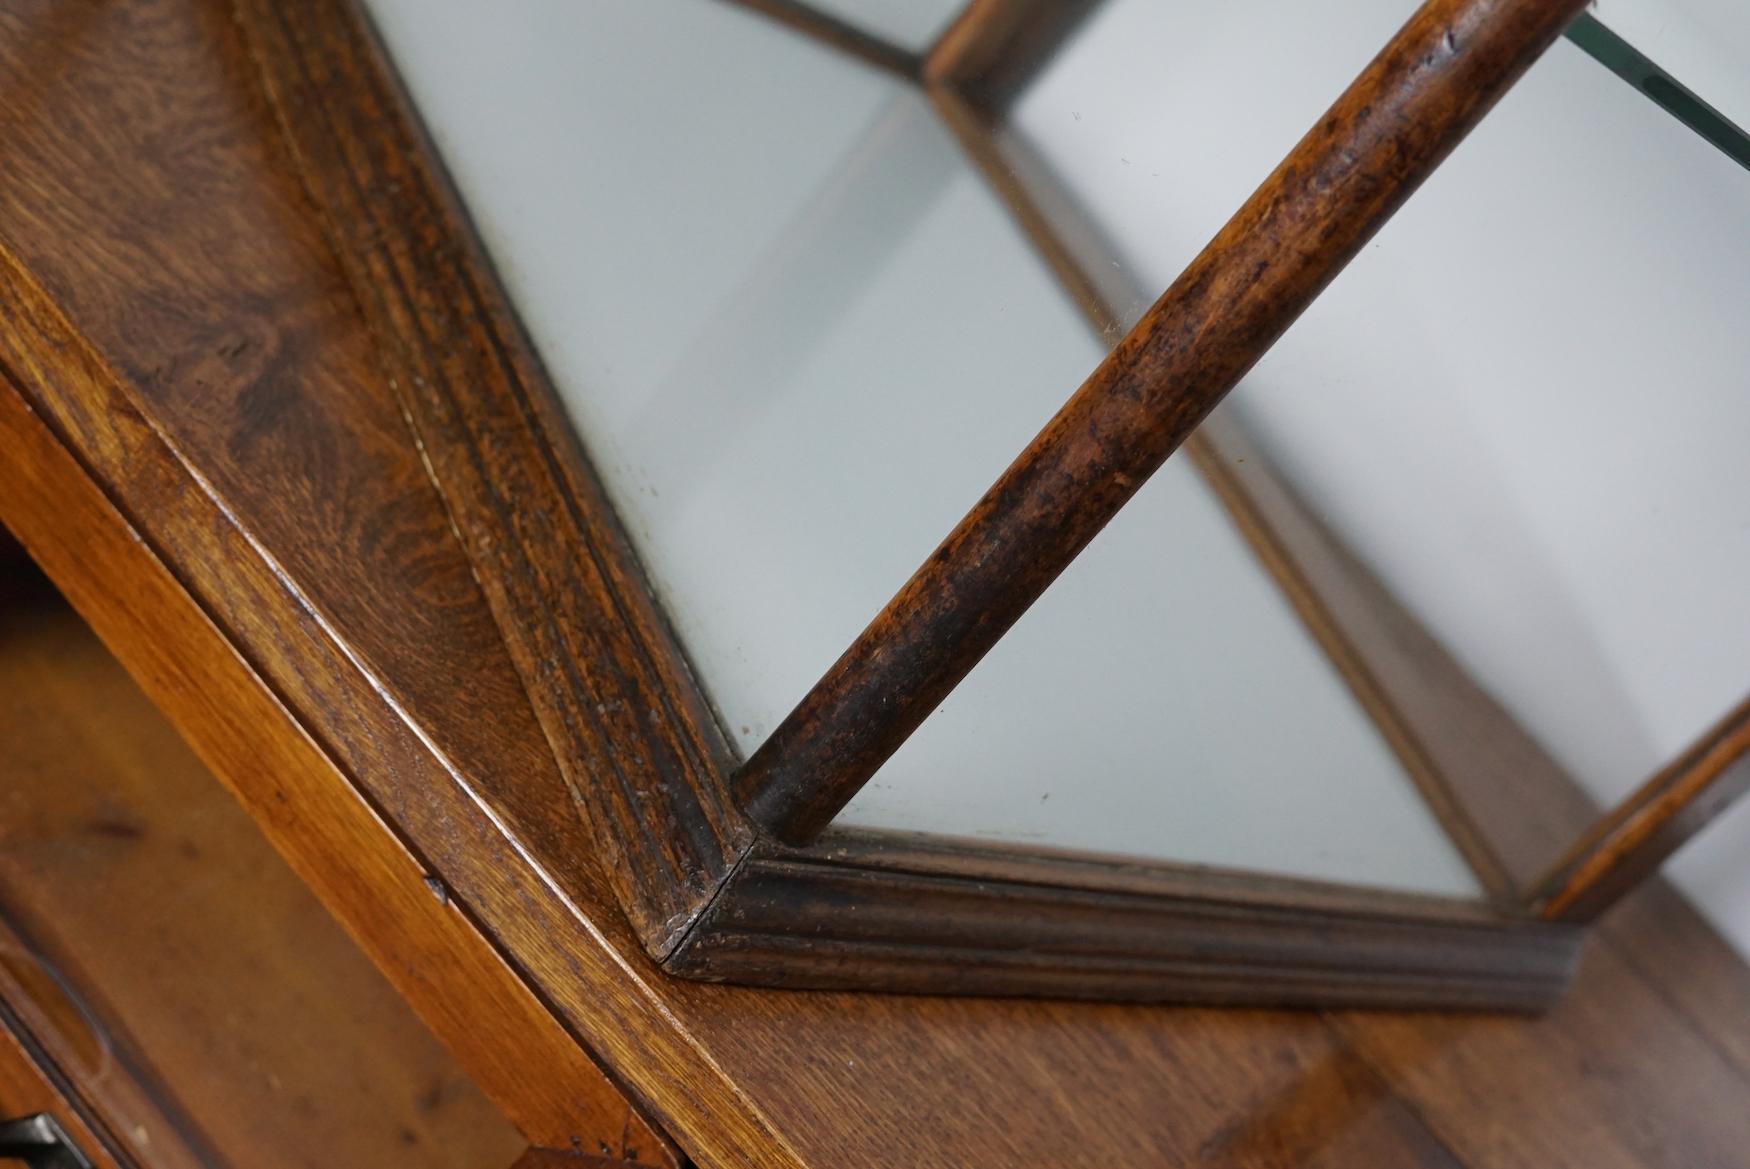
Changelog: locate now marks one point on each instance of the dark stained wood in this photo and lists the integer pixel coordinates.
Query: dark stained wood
(1629, 844)
(1444, 729)
(957, 917)
(320, 676)
(995, 47)
(841, 35)
(236, 627)
(1397, 121)
(632, 733)
(397, 910)
(212, 972)
(579, 623)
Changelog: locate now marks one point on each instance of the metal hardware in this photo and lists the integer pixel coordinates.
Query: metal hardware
(41, 1143)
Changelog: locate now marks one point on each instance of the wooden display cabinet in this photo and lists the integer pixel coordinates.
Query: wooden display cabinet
(272, 430)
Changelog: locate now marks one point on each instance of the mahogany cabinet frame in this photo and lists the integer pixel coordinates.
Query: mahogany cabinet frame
(693, 853)
(722, 867)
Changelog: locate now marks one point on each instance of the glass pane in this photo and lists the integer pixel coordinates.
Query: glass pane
(1524, 405)
(197, 995)
(910, 24)
(799, 337)
(1703, 43)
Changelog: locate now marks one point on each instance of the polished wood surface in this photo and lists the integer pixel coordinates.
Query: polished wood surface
(900, 911)
(629, 726)
(633, 734)
(303, 610)
(1470, 758)
(1403, 114)
(212, 972)
(237, 349)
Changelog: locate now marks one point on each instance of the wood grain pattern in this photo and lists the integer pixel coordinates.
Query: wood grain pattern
(211, 970)
(301, 796)
(629, 726)
(1394, 125)
(236, 632)
(1629, 844)
(577, 617)
(511, 1046)
(955, 917)
(352, 606)
(1454, 741)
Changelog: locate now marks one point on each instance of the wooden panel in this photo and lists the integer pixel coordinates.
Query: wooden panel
(251, 354)
(399, 911)
(212, 970)
(27, 1089)
(742, 1076)
(648, 773)
(627, 723)
(892, 911)
(1396, 122)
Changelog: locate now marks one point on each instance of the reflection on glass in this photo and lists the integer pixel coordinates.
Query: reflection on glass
(1701, 43)
(799, 337)
(1524, 405)
(910, 24)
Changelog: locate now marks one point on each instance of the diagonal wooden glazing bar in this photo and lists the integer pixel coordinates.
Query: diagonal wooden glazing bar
(1396, 122)
(1628, 845)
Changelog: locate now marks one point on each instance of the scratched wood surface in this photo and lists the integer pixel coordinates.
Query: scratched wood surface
(269, 500)
(1363, 157)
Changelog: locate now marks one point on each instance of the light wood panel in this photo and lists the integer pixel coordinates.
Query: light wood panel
(212, 970)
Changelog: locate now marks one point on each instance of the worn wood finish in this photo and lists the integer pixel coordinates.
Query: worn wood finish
(1466, 753)
(238, 632)
(1443, 728)
(914, 914)
(678, 848)
(630, 728)
(396, 908)
(212, 971)
(240, 344)
(298, 606)
(995, 47)
(1409, 107)
(1627, 846)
